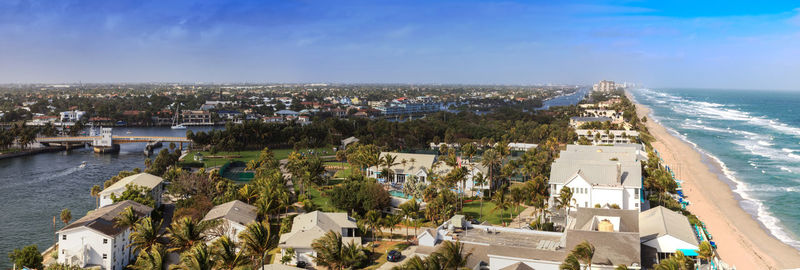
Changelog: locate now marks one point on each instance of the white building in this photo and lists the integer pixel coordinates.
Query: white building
(616, 117)
(609, 136)
(605, 86)
(419, 165)
(598, 175)
(664, 232)
(72, 116)
(311, 226)
(234, 217)
(95, 240)
(146, 180)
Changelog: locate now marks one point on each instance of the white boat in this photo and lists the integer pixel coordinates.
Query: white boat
(83, 164)
(175, 124)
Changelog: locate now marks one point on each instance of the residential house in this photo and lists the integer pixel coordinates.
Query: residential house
(577, 121)
(234, 216)
(196, 117)
(665, 232)
(598, 177)
(311, 226)
(96, 241)
(146, 180)
(72, 116)
(608, 136)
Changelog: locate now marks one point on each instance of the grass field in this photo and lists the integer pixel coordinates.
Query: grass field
(323, 203)
(472, 209)
(249, 155)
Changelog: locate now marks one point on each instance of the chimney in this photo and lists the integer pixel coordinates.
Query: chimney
(619, 173)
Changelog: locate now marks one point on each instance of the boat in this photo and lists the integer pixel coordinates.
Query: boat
(175, 124)
(83, 165)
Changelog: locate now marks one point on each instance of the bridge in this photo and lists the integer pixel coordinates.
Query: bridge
(107, 143)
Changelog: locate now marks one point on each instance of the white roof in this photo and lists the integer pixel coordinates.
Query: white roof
(420, 162)
(236, 211)
(310, 226)
(660, 221)
(143, 180)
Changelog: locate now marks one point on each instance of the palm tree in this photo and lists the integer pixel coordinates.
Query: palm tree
(197, 258)
(584, 252)
(451, 255)
(391, 221)
(705, 251)
(256, 240)
(225, 254)
(480, 180)
(491, 159)
(621, 267)
(95, 191)
(328, 249)
(570, 263)
(145, 234)
(126, 218)
(352, 255)
(501, 203)
(564, 198)
(66, 216)
(518, 197)
(154, 258)
(186, 232)
(248, 193)
(373, 219)
(410, 210)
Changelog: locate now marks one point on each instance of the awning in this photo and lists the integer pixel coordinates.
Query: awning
(689, 252)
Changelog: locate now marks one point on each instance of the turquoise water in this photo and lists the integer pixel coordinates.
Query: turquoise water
(754, 135)
(397, 193)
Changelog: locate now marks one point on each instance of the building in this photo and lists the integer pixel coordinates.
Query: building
(234, 217)
(287, 113)
(230, 115)
(616, 117)
(196, 117)
(311, 226)
(407, 165)
(578, 121)
(146, 180)
(613, 233)
(348, 141)
(522, 147)
(72, 116)
(406, 107)
(95, 241)
(598, 175)
(608, 136)
(605, 86)
(665, 232)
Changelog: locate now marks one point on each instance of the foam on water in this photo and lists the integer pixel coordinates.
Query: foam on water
(726, 123)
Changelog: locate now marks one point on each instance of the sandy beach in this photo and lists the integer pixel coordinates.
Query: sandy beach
(741, 239)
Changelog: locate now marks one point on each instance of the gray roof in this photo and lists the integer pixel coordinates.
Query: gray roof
(278, 266)
(628, 219)
(102, 219)
(611, 248)
(660, 221)
(310, 226)
(597, 173)
(517, 266)
(590, 119)
(236, 211)
(141, 179)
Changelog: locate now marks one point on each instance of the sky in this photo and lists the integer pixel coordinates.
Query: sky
(709, 44)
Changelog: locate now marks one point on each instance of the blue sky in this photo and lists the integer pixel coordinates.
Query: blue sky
(716, 44)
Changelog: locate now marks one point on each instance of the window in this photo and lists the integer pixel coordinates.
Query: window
(636, 205)
(636, 195)
(62, 251)
(105, 241)
(105, 256)
(64, 237)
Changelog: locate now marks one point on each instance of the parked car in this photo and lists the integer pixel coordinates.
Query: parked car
(394, 256)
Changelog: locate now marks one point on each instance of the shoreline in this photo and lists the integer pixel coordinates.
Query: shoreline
(742, 240)
(29, 152)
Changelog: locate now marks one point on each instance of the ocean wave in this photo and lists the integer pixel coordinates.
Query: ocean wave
(785, 169)
(714, 111)
(787, 150)
(765, 143)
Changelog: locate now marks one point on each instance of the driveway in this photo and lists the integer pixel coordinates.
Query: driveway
(407, 253)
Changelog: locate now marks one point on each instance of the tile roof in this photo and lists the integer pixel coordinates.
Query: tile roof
(236, 211)
(102, 219)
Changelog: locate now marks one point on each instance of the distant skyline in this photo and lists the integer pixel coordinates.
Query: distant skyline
(714, 44)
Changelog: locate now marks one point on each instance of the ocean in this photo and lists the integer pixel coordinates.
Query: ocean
(755, 137)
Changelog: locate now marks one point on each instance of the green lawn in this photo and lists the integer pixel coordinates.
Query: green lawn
(248, 155)
(472, 209)
(323, 203)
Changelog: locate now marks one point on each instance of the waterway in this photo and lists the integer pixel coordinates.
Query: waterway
(34, 189)
(566, 100)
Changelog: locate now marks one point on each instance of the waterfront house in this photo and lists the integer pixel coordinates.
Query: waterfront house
(577, 121)
(608, 136)
(233, 217)
(598, 175)
(421, 165)
(146, 180)
(311, 226)
(665, 232)
(197, 117)
(613, 233)
(95, 241)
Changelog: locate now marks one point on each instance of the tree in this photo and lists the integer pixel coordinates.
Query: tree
(225, 254)
(678, 261)
(126, 218)
(256, 240)
(584, 252)
(480, 180)
(705, 251)
(501, 202)
(135, 193)
(451, 255)
(333, 253)
(410, 210)
(186, 232)
(95, 191)
(564, 199)
(145, 234)
(66, 216)
(154, 258)
(570, 263)
(373, 220)
(198, 257)
(391, 221)
(491, 159)
(28, 257)
(162, 161)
